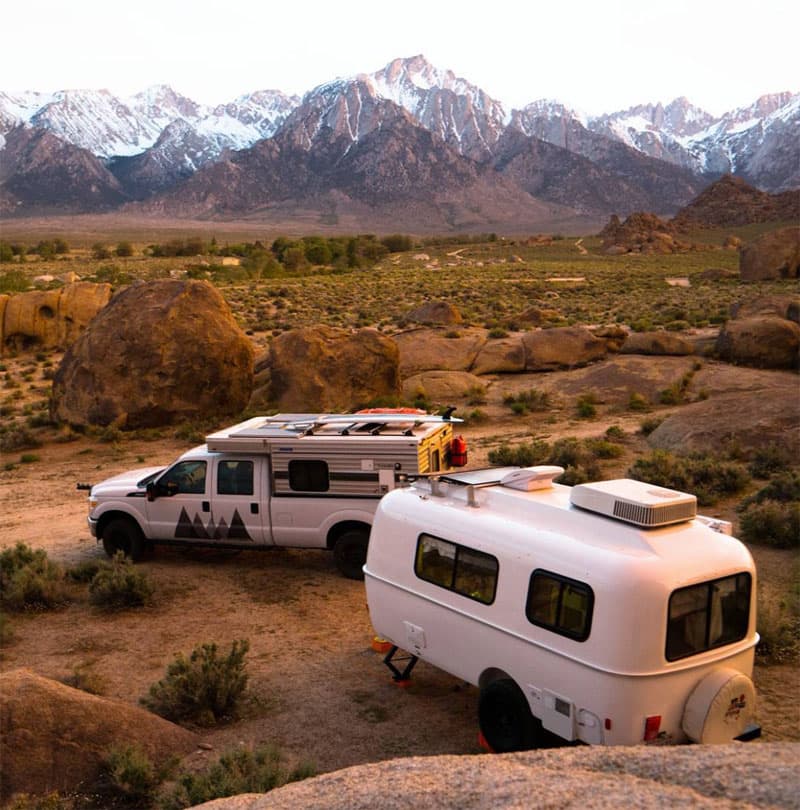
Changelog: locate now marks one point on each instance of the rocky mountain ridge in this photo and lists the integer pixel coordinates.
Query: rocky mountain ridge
(152, 145)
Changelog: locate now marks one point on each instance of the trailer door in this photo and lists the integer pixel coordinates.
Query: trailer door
(240, 501)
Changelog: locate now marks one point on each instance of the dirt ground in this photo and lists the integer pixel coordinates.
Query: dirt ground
(317, 688)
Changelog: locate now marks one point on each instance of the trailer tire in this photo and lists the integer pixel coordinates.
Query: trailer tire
(122, 534)
(720, 707)
(350, 553)
(505, 717)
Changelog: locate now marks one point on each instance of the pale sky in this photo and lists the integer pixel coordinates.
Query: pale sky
(594, 55)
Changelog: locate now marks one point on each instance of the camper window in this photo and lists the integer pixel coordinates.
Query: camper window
(464, 570)
(560, 604)
(708, 615)
(308, 476)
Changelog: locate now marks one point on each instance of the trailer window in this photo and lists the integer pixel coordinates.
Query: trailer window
(460, 569)
(709, 615)
(308, 476)
(560, 604)
(235, 478)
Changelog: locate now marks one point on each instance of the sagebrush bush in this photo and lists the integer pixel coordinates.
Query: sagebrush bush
(525, 401)
(131, 774)
(118, 584)
(783, 488)
(236, 772)
(30, 580)
(779, 629)
(204, 688)
(771, 523)
(771, 459)
(526, 454)
(706, 477)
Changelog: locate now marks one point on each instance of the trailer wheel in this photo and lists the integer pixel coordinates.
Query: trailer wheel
(505, 718)
(123, 535)
(350, 553)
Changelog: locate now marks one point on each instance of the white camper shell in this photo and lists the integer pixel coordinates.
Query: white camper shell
(299, 480)
(606, 613)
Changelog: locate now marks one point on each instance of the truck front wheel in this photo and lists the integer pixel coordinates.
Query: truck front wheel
(350, 553)
(123, 535)
(505, 718)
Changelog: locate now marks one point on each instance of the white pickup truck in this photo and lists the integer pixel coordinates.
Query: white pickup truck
(298, 480)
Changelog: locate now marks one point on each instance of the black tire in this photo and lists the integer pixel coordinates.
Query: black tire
(123, 535)
(505, 718)
(350, 553)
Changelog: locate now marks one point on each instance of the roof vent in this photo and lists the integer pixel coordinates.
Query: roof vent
(530, 478)
(636, 502)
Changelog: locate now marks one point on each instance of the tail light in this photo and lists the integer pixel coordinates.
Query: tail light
(652, 726)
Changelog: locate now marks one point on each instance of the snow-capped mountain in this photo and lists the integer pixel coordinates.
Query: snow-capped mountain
(653, 155)
(109, 126)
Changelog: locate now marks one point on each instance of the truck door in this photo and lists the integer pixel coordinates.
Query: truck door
(179, 505)
(240, 502)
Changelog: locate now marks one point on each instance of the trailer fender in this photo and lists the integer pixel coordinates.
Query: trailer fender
(720, 707)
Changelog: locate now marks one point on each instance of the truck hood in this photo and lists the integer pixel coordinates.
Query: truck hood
(124, 483)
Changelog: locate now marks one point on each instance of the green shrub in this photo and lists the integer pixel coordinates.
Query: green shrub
(477, 416)
(48, 801)
(497, 332)
(522, 455)
(6, 630)
(118, 585)
(531, 400)
(236, 772)
(602, 448)
(647, 426)
(783, 488)
(131, 775)
(771, 523)
(771, 459)
(476, 395)
(30, 580)
(638, 402)
(84, 571)
(83, 678)
(204, 688)
(779, 629)
(17, 438)
(705, 477)
(586, 406)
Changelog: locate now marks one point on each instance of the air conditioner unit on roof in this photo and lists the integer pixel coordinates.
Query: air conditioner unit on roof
(636, 502)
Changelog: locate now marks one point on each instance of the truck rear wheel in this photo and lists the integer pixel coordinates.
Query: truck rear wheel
(125, 536)
(350, 553)
(505, 718)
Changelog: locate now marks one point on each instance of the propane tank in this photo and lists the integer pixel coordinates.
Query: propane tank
(458, 451)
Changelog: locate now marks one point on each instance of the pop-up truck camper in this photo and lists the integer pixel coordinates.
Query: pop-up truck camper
(607, 613)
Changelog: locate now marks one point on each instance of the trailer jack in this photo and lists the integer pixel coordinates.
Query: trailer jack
(398, 676)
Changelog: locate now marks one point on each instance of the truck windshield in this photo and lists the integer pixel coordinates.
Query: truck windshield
(708, 615)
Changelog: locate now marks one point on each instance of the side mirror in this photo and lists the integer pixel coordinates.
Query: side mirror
(152, 491)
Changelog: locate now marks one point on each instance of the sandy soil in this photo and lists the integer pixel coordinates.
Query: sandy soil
(317, 687)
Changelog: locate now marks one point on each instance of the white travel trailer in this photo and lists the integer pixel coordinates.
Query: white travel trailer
(607, 613)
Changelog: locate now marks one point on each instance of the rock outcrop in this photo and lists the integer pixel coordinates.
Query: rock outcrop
(158, 353)
(55, 737)
(641, 233)
(773, 255)
(656, 343)
(712, 776)
(322, 368)
(561, 348)
(764, 341)
(435, 312)
(50, 319)
(707, 426)
(439, 349)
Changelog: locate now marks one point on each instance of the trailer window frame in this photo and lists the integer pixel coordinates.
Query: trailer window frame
(457, 579)
(557, 621)
(708, 618)
(308, 475)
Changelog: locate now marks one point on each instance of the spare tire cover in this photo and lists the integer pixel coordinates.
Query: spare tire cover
(720, 708)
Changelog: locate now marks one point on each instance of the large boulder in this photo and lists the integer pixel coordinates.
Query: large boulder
(561, 348)
(762, 341)
(748, 420)
(428, 349)
(160, 352)
(50, 319)
(441, 387)
(784, 306)
(501, 355)
(322, 368)
(717, 777)
(656, 343)
(435, 312)
(773, 255)
(55, 737)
